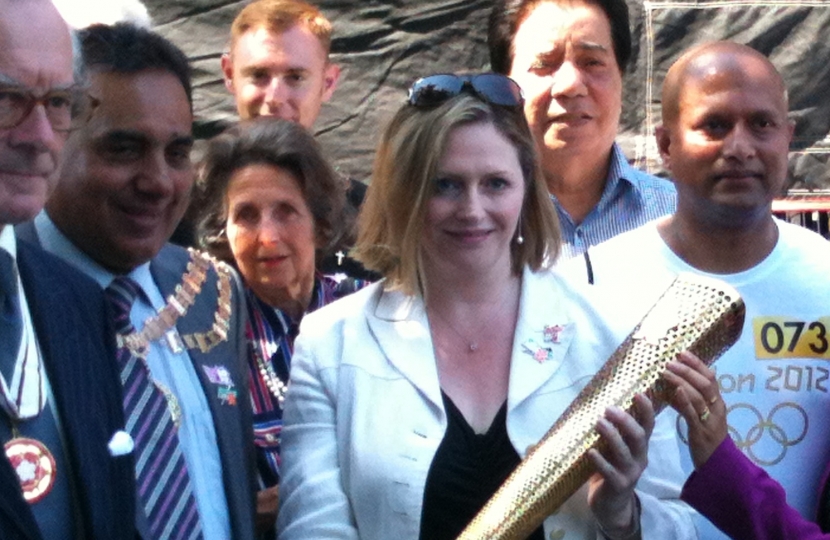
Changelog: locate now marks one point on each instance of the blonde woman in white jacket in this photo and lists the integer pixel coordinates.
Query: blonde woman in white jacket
(412, 400)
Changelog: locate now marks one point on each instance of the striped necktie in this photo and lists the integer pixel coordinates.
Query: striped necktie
(11, 322)
(161, 472)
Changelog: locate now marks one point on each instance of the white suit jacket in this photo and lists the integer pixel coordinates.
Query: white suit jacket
(364, 414)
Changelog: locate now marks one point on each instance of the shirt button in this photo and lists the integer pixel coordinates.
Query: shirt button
(580, 238)
(558, 534)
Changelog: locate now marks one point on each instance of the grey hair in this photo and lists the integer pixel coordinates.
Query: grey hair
(78, 66)
(88, 12)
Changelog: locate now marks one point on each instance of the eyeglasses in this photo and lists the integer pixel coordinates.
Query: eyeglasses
(490, 87)
(17, 103)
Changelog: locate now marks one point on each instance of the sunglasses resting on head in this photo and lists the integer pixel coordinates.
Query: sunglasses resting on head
(492, 88)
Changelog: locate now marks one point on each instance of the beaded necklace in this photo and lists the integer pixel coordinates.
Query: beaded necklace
(275, 385)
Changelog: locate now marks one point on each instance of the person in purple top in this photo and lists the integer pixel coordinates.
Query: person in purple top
(726, 487)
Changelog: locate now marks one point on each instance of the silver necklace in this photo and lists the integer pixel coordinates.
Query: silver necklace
(472, 345)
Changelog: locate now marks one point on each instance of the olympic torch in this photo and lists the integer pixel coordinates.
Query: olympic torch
(698, 314)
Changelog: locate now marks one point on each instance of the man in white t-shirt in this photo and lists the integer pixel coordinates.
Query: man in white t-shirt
(725, 138)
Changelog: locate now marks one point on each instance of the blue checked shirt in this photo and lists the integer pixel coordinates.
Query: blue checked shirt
(631, 198)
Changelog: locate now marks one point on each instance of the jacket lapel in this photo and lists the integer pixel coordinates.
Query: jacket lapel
(399, 324)
(27, 231)
(69, 375)
(222, 374)
(544, 332)
(167, 271)
(16, 520)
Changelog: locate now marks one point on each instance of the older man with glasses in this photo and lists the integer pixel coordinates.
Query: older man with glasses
(67, 467)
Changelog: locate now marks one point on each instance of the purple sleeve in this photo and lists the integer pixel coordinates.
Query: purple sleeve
(743, 501)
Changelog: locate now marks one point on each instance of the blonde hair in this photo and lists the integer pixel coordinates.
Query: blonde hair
(280, 15)
(391, 221)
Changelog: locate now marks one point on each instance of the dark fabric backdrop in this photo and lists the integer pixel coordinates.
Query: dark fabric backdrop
(383, 46)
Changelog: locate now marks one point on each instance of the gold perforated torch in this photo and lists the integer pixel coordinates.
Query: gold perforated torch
(698, 314)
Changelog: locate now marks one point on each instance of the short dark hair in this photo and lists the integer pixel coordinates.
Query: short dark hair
(278, 143)
(127, 48)
(507, 15)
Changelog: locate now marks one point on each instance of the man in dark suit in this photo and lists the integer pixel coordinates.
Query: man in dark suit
(67, 470)
(124, 183)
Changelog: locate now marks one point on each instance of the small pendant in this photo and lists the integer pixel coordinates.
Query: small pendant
(35, 467)
(172, 406)
(174, 342)
(473, 347)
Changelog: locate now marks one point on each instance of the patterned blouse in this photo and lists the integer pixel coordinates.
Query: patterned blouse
(271, 335)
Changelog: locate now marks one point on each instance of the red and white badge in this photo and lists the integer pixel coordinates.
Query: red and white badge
(35, 467)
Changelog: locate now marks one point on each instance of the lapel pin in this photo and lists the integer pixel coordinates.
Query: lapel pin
(538, 352)
(551, 333)
(174, 342)
(120, 444)
(227, 395)
(218, 375)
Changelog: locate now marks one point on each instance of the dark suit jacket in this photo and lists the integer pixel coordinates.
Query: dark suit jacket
(233, 423)
(72, 325)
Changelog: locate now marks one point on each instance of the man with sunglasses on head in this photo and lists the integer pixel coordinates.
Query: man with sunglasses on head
(569, 58)
(66, 471)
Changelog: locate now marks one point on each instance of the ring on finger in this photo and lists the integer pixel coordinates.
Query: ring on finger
(704, 415)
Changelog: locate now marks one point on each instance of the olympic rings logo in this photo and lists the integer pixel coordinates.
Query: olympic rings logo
(786, 425)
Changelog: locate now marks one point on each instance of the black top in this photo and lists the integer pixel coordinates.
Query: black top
(466, 471)
(339, 262)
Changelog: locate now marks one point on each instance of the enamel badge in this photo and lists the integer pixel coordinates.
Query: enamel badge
(34, 465)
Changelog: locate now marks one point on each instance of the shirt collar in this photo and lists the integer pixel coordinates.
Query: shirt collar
(55, 242)
(7, 241)
(620, 169)
(621, 175)
(621, 178)
(320, 296)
